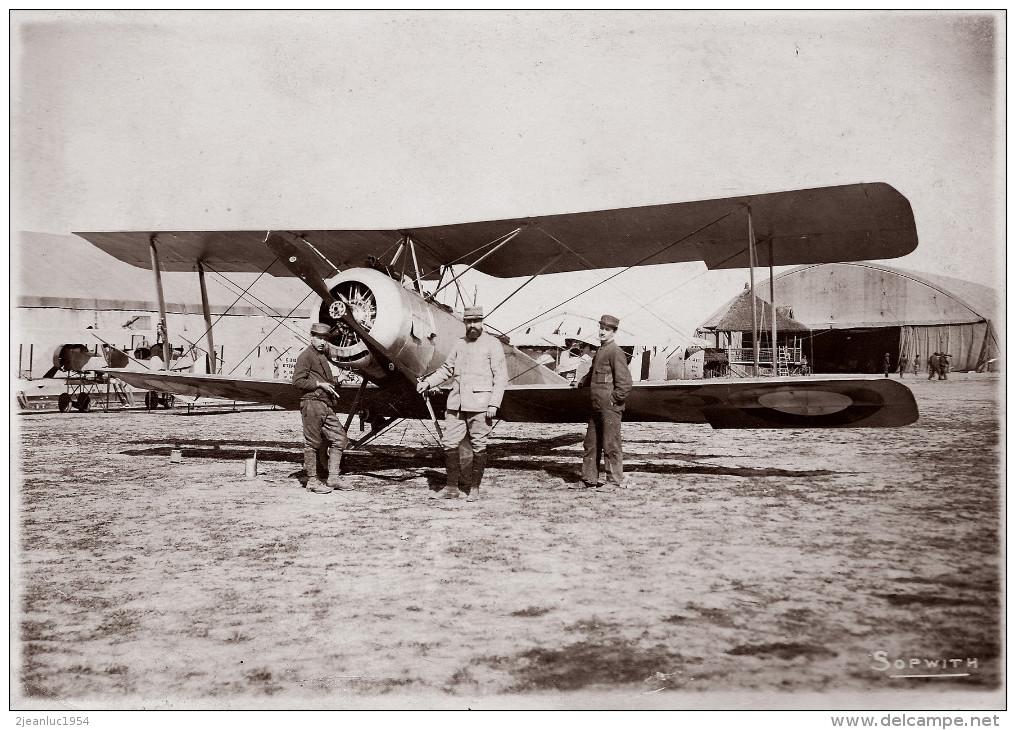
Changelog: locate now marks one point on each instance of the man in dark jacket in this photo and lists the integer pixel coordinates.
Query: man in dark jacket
(321, 426)
(609, 382)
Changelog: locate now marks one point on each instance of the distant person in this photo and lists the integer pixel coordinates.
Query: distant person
(904, 364)
(805, 367)
(917, 363)
(576, 361)
(932, 365)
(322, 428)
(609, 382)
(886, 364)
(479, 377)
(943, 366)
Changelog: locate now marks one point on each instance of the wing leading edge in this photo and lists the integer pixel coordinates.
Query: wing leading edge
(818, 225)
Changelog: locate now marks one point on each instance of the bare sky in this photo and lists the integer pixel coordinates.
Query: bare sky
(233, 120)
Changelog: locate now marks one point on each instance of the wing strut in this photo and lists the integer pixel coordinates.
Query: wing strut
(206, 310)
(772, 304)
(167, 350)
(751, 279)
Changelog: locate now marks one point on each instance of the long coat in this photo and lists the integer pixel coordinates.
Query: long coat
(478, 371)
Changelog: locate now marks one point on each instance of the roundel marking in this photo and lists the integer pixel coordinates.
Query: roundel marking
(806, 402)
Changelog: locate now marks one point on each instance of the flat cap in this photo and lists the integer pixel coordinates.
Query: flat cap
(610, 321)
(320, 328)
(472, 313)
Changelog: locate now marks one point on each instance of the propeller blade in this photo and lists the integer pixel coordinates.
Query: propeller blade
(299, 260)
(379, 350)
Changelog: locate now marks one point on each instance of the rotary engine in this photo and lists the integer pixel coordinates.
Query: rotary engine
(399, 319)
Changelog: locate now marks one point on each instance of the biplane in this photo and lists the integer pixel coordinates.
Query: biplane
(391, 329)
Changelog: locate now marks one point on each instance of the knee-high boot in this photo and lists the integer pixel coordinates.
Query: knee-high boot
(479, 465)
(335, 468)
(451, 490)
(310, 460)
(322, 461)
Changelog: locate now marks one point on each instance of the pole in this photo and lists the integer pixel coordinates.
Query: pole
(433, 416)
(206, 310)
(167, 350)
(754, 304)
(772, 301)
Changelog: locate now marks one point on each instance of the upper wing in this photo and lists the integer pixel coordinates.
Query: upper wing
(818, 225)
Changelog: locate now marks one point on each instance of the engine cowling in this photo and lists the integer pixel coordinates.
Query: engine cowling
(417, 332)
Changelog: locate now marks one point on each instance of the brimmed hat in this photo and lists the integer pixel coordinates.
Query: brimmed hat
(609, 321)
(320, 328)
(472, 313)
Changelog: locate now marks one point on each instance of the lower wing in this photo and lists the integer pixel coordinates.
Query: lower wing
(375, 401)
(811, 402)
(273, 392)
(800, 403)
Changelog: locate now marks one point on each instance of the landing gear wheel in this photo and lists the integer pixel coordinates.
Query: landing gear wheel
(167, 400)
(84, 402)
(64, 402)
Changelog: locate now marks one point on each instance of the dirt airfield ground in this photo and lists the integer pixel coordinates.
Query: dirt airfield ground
(742, 569)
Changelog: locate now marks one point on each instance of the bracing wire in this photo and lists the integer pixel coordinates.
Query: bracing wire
(589, 265)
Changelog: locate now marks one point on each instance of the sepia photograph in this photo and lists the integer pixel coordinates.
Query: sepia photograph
(507, 360)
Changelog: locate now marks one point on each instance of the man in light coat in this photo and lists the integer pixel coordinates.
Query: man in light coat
(479, 376)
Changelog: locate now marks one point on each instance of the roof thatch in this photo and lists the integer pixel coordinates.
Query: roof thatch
(737, 317)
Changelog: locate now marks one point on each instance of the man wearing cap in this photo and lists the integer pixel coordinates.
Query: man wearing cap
(609, 381)
(479, 376)
(321, 427)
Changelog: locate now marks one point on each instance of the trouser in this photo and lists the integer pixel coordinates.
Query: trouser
(459, 424)
(321, 425)
(603, 438)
